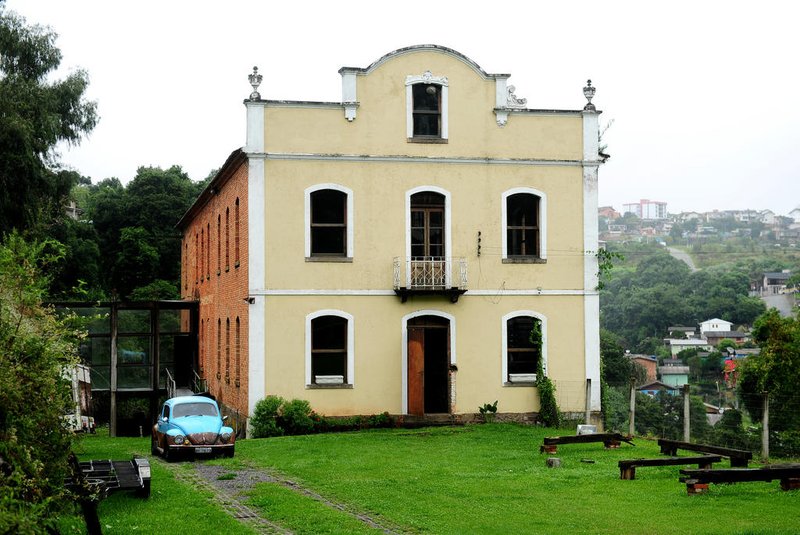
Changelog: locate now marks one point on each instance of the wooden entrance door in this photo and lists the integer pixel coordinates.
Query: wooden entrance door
(428, 365)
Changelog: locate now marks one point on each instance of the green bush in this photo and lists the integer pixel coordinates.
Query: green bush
(264, 422)
(296, 417)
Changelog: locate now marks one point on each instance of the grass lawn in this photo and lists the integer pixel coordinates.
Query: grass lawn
(473, 479)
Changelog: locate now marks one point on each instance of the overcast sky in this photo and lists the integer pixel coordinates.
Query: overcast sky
(704, 95)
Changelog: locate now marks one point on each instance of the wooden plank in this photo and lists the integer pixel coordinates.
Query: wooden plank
(584, 439)
(739, 458)
(627, 467)
(735, 475)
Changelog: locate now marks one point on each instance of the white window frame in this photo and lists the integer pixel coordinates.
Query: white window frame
(504, 342)
(425, 78)
(307, 216)
(542, 219)
(448, 253)
(350, 379)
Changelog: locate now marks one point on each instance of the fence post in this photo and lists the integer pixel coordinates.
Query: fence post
(687, 435)
(588, 417)
(632, 411)
(765, 430)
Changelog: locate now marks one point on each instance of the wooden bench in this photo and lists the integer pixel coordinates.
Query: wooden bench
(610, 440)
(627, 467)
(697, 481)
(739, 458)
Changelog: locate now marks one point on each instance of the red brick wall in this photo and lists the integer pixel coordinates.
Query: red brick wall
(221, 286)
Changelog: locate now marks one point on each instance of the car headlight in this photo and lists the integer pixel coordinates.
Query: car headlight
(225, 437)
(179, 439)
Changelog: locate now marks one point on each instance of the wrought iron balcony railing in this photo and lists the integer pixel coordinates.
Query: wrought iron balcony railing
(430, 274)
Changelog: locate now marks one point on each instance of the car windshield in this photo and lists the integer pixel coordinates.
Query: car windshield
(194, 409)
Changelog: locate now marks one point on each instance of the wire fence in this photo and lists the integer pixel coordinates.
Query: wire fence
(766, 424)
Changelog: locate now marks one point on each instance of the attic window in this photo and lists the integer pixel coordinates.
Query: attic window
(426, 108)
(427, 112)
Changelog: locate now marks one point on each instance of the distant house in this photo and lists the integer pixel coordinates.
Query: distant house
(689, 216)
(689, 332)
(772, 283)
(715, 337)
(713, 413)
(735, 356)
(677, 345)
(608, 212)
(795, 214)
(714, 324)
(674, 373)
(654, 387)
(767, 217)
(648, 362)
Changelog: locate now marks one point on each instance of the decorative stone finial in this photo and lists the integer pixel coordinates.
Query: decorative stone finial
(588, 92)
(255, 81)
(512, 101)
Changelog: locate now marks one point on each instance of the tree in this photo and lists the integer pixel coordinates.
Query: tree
(776, 371)
(137, 261)
(35, 349)
(616, 369)
(37, 114)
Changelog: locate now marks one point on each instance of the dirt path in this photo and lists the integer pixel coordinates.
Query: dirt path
(231, 494)
(683, 257)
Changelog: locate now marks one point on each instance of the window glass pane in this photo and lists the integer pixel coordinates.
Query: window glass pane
(436, 218)
(133, 377)
(427, 198)
(328, 332)
(95, 351)
(417, 218)
(329, 364)
(133, 321)
(521, 210)
(522, 362)
(133, 350)
(417, 236)
(426, 125)
(417, 250)
(435, 236)
(95, 320)
(173, 321)
(328, 206)
(426, 97)
(530, 242)
(436, 250)
(514, 242)
(519, 332)
(101, 377)
(328, 240)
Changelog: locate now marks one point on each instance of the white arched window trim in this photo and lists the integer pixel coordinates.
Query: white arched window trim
(447, 227)
(350, 379)
(504, 329)
(404, 348)
(307, 214)
(542, 219)
(426, 78)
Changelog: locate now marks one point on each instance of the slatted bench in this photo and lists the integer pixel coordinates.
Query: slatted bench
(697, 481)
(609, 440)
(92, 481)
(627, 467)
(739, 458)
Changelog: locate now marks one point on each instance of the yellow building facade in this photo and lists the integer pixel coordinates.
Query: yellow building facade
(402, 243)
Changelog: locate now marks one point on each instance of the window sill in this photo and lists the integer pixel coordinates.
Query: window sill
(328, 387)
(236, 264)
(334, 259)
(524, 260)
(526, 383)
(434, 140)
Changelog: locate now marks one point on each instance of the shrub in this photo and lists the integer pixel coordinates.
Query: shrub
(264, 422)
(488, 410)
(296, 417)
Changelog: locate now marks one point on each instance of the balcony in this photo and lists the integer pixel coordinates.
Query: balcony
(430, 275)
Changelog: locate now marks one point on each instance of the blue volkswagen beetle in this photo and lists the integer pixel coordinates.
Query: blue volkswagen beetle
(191, 424)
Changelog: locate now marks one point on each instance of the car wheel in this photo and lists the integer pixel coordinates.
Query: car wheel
(167, 455)
(228, 453)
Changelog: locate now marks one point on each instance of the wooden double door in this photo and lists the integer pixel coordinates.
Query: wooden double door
(428, 365)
